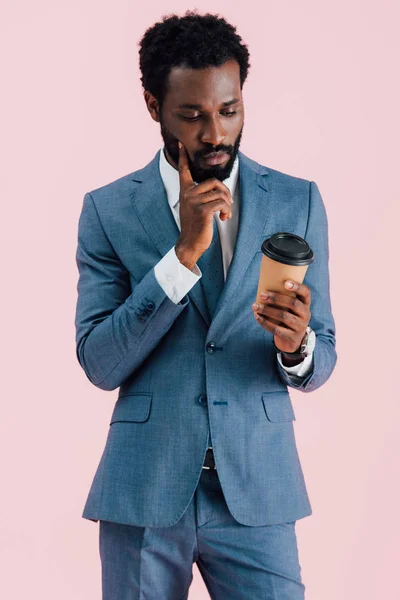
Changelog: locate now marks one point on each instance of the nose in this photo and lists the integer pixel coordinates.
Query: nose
(213, 133)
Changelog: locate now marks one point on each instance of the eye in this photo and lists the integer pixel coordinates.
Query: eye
(226, 114)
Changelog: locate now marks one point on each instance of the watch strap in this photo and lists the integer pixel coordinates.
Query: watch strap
(300, 353)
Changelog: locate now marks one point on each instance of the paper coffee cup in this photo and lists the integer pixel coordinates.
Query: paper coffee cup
(284, 256)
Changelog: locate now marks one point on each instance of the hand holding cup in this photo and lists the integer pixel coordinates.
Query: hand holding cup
(287, 317)
(285, 258)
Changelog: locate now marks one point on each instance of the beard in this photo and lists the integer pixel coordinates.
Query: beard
(199, 173)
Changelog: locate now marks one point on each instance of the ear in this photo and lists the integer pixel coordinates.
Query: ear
(152, 105)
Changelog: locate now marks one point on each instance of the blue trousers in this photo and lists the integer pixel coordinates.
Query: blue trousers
(236, 562)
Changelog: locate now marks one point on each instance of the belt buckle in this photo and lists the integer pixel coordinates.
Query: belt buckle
(209, 458)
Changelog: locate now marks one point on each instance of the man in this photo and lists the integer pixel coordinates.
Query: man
(200, 463)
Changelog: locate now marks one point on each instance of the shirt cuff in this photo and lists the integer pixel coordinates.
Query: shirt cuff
(175, 279)
(301, 370)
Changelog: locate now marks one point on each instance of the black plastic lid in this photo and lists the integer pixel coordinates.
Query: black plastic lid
(288, 248)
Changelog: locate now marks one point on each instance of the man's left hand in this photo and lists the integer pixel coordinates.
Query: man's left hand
(287, 317)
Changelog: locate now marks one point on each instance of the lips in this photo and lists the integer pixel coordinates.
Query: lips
(216, 158)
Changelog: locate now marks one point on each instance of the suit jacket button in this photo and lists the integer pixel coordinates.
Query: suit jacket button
(150, 306)
(203, 400)
(210, 347)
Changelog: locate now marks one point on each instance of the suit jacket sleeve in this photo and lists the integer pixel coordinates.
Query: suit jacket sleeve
(117, 327)
(317, 279)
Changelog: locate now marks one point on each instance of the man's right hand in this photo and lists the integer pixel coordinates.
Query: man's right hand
(198, 203)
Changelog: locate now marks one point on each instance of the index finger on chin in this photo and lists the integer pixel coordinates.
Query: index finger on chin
(185, 176)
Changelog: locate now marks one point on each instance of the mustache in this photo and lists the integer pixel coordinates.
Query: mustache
(215, 150)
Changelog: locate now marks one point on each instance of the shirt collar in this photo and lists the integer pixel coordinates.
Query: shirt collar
(170, 177)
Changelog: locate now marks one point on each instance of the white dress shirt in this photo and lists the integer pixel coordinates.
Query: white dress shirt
(176, 279)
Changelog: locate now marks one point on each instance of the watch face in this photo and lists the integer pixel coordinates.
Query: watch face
(310, 341)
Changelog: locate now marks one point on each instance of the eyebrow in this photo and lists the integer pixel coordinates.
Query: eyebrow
(199, 106)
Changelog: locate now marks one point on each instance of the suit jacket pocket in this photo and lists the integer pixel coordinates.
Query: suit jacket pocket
(132, 407)
(278, 406)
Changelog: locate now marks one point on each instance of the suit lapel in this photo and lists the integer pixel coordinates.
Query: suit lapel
(150, 203)
(254, 211)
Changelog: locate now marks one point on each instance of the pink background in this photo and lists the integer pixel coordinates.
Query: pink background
(322, 103)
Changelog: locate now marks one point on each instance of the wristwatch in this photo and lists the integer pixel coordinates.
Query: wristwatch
(306, 347)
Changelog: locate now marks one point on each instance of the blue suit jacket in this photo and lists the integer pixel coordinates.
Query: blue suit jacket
(131, 336)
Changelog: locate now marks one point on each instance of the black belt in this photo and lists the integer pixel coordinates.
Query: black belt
(209, 462)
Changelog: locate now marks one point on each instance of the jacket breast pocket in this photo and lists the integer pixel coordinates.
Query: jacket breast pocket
(278, 406)
(132, 408)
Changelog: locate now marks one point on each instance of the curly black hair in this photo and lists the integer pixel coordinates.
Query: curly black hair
(194, 41)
